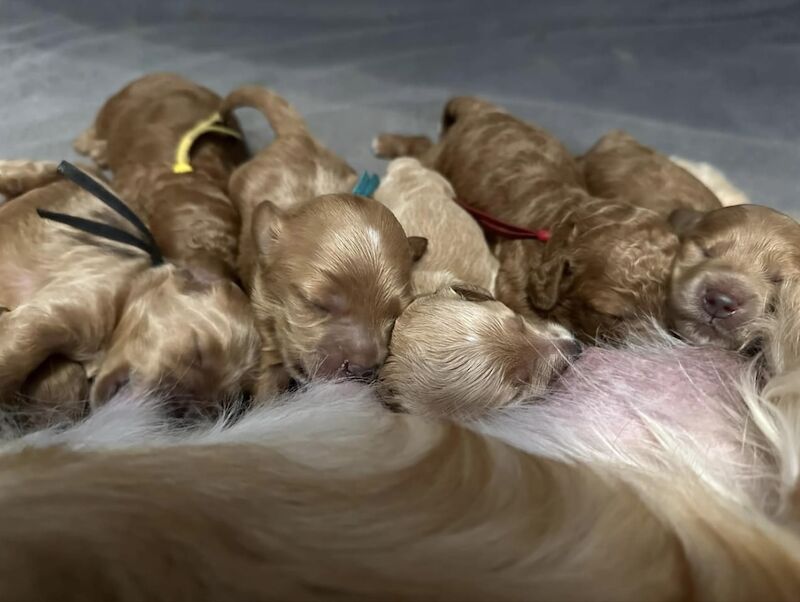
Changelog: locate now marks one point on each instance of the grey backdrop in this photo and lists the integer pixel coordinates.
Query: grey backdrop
(714, 80)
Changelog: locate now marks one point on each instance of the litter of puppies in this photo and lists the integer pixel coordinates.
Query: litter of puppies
(495, 233)
(533, 375)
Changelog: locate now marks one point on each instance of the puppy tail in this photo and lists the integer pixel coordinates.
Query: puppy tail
(282, 116)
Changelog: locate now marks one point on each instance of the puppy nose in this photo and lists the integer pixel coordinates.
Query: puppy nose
(366, 373)
(719, 304)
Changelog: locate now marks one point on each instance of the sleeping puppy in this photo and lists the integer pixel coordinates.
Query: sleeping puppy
(99, 303)
(327, 271)
(727, 274)
(456, 351)
(605, 268)
(146, 133)
(619, 167)
(731, 261)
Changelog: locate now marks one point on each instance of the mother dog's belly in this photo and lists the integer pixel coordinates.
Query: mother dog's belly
(658, 406)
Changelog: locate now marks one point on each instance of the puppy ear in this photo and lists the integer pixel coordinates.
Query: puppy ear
(470, 292)
(108, 383)
(547, 280)
(418, 244)
(267, 226)
(683, 220)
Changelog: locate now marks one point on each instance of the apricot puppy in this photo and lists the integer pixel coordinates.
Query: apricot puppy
(327, 271)
(729, 270)
(456, 351)
(142, 134)
(103, 304)
(606, 265)
(619, 167)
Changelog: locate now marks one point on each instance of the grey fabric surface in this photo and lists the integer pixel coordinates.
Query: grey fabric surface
(717, 80)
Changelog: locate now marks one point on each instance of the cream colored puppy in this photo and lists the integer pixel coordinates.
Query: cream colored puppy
(456, 351)
(422, 200)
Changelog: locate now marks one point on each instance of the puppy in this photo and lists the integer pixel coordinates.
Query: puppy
(729, 270)
(456, 351)
(731, 261)
(58, 389)
(605, 268)
(138, 134)
(99, 303)
(327, 271)
(619, 167)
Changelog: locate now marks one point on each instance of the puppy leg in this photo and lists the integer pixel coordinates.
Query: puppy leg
(56, 392)
(391, 146)
(90, 145)
(272, 380)
(29, 335)
(18, 177)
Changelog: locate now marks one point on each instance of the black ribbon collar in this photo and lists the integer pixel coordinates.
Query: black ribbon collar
(147, 243)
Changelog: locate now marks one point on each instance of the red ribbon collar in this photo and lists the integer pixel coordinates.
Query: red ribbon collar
(501, 228)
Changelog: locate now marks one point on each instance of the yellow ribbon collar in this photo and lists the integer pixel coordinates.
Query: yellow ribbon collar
(211, 124)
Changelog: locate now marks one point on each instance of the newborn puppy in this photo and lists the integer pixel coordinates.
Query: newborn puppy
(424, 204)
(619, 167)
(605, 268)
(728, 271)
(140, 133)
(327, 271)
(456, 351)
(99, 303)
(459, 353)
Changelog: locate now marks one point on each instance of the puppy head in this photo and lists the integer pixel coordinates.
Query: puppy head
(601, 282)
(332, 278)
(186, 338)
(459, 353)
(728, 271)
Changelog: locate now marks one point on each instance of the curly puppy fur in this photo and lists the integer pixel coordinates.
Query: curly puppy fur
(619, 167)
(100, 304)
(328, 272)
(136, 134)
(456, 351)
(606, 267)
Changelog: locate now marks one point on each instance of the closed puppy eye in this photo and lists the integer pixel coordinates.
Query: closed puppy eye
(776, 279)
(707, 252)
(311, 302)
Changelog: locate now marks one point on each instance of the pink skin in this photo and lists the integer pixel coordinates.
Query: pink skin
(621, 406)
